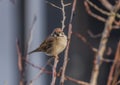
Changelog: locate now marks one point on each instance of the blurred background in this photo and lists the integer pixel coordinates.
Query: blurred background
(18, 17)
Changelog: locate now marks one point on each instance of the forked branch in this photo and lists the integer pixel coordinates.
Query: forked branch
(68, 43)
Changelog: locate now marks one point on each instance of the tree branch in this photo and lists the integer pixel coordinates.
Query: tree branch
(54, 73)
(20, 64)
(63, 14)
(102, 46)
(97, 8)
(106, 4)
(93, 14)
(43, 69)
(116, 60)
(67, 48)
(54, 5)
(76, 81)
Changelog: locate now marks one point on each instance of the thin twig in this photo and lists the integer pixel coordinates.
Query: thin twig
(109, 51)
(93, 35)
(41, 71)
(76, 81)
(116, 74)
(57, 74)
(116, 27)
(38, 67)
(84, 40)
(20, 64)
(66, 56)
(118, 15)
(62, 9)
(107, 60)
(67, 48)
(68, 4)
(93, 14)
(106, 4)
(54, 5)
(36, 77)
(19, 56)
(97, 8)
(117, 23)
(54, 73)
(110, 78)
(102, 46)
(63, 14)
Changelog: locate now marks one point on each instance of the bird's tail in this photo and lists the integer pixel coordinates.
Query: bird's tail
(36, 50)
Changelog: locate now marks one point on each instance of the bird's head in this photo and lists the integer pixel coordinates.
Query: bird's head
(57, 32)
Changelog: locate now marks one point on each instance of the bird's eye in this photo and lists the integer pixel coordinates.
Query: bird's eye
(55, 34)
(61, 34)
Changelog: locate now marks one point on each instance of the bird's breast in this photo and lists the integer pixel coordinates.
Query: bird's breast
(58, 46)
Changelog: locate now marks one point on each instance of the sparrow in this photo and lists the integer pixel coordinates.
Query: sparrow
(54, 44)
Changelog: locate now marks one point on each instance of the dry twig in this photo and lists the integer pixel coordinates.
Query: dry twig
(42, 70)
(62, 9)
(109, 6)
(63, 26)
(54, 73)
(20, 64)
(57, 74)
(93, 14)
(103, 42)
(97, 8)
(63, 14)
(54, 5)
(38, 67)
(67, 48)
(93, 35)
(76, 81)
(112, 70)
(106, 4)
(81, 37)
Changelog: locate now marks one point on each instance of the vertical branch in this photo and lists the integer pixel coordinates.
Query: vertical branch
(20, 64)
(66, 56)
(115, 66)
(63, 11)
(63, 14)
(67, 48)
(103, 42)
(116, 74)
(116, 60)
(54, 73)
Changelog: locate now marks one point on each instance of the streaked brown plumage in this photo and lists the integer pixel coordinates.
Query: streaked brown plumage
(54, 44)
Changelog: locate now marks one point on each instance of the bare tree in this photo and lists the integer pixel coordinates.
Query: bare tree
(109, 24)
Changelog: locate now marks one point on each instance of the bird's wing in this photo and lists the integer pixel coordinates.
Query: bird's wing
(47, 44)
